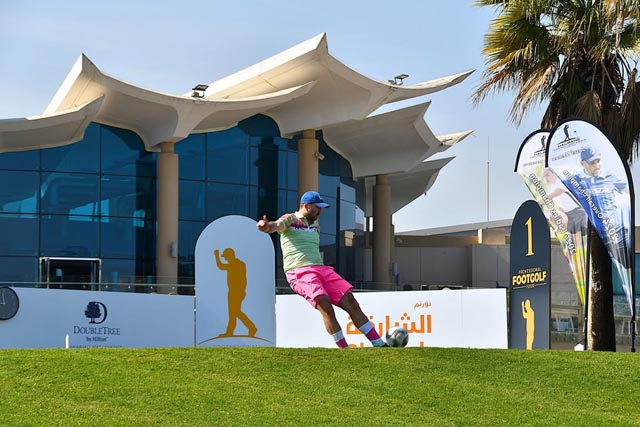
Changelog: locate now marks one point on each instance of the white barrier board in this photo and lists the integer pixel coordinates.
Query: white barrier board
(474, 318)
(98, 319)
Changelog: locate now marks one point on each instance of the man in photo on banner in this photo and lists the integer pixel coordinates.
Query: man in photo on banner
(608, 194)
(306, 273)
(573, 216)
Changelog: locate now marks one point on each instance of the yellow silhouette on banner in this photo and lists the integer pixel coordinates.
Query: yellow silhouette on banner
(237, 283)
(530, 319)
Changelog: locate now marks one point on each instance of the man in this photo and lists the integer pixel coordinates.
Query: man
(308, 276)
(575, 218)
(604, 190)
(237, 284)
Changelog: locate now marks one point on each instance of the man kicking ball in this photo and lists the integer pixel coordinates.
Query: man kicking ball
(319, 284)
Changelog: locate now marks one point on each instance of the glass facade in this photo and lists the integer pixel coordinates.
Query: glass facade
(96, 199)
(92, 199)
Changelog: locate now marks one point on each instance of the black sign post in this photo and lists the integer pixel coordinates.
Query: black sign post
(530, 294)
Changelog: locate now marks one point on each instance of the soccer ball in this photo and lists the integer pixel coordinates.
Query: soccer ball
(397, 336)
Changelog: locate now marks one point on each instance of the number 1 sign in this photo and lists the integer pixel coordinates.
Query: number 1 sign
(530, 279)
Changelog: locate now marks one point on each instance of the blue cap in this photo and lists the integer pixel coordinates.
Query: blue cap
(313, 198)
(588, 154)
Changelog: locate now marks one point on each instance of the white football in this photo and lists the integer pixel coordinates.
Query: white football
(397, 336)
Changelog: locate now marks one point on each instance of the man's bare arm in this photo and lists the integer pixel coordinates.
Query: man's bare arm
(267, 226)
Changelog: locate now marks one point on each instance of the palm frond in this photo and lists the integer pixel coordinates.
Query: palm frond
(589, 107)
(630, 117)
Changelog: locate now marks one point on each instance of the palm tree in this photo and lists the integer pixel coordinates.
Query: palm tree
(580, 57)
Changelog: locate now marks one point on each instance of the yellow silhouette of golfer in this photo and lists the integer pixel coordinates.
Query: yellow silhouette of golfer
(237, 283)
(530, 318)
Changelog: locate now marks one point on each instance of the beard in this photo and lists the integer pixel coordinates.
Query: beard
(312, 216)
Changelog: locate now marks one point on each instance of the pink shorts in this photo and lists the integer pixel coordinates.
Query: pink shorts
(314, 280)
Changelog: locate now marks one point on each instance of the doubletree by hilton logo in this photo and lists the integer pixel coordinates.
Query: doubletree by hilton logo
(96, 312)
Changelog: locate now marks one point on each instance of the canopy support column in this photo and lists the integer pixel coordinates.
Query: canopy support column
(167, 233)
(308, 156)
(382, 233)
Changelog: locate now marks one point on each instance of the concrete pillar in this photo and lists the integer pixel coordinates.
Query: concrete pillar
(307, 162)
(167, 232)
(382, 233)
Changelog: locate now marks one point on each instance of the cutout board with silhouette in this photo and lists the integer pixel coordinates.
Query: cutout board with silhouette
(235, 285)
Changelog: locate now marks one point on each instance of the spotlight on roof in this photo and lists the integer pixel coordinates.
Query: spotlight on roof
(199, 90)
(398, 80)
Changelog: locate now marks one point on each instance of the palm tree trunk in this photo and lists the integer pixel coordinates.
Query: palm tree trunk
(601, 328)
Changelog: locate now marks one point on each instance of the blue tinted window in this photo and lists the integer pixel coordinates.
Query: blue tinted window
(123, 153)
(191, 200)
(330, 165)
(226, 199)
(18, 270)
(69, 236)
(328, 217)
(19, 234)
(128, 196)
(292, 170)
(228, 156)
(259, 125)
(118, 271)
(69, 193)
(19, 191)
(127, 238)
(23, 160)
(127, 275)
(347, 193)
(189, 231)
(328, 249)
(347, 215)
(191, 155)
(328, 185)
(265, 170)
(288, 201)
(265, 202)
(82, 156)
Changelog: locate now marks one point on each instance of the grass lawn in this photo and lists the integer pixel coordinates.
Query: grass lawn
(317, 387)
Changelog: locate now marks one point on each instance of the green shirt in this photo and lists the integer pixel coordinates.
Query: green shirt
(300, 241)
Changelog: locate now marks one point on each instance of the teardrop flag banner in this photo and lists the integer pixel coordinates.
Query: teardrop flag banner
(566, 217)
(594, 172)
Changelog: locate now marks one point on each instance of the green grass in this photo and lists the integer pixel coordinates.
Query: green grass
(317, 387)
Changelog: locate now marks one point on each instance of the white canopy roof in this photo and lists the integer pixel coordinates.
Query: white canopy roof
(392, 142)
(340, 94)
(53, 130)
(405, 186)
(156, 116)
(301, 88)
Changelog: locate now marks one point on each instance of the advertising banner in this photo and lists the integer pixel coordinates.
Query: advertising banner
(56, 318)
(591, 168)
(565, 215)
(530, 295)
(235, 285)
(473, 318)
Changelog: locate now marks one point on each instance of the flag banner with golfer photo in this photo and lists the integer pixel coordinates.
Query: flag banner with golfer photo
(565, 215)
(530, 267)
(591, 168)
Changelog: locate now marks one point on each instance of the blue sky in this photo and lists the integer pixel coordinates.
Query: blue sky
(170, 46)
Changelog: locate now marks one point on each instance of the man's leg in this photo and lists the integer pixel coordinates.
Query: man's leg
(324, 306)
(233, 308)
(349, 304)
